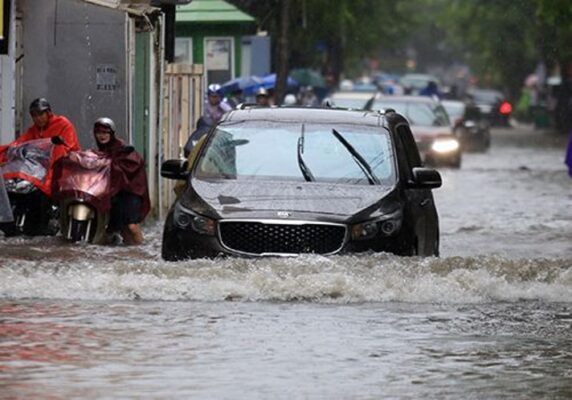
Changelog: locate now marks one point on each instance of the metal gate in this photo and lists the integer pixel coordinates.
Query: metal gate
(183, 103)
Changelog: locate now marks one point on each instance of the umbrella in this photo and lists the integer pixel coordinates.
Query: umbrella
(245, 83)
(269, 82)
(308, 77)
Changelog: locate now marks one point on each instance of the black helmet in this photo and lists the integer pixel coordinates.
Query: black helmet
(106, 122)
(40, 105)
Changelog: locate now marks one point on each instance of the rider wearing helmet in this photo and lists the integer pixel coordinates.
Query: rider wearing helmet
(263, 97)
(214, 106)
(46, 124)
(130, 195)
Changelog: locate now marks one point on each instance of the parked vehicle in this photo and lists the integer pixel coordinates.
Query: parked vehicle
(26, 173)
(430, 124)
(286, 181)
(493, 105)
(83, 181)
(468, 124)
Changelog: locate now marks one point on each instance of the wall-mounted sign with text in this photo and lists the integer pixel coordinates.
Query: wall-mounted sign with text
(106, 78)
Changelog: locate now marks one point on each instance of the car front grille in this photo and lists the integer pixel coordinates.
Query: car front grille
(271, 237)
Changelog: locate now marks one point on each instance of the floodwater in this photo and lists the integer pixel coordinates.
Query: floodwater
(490, 319)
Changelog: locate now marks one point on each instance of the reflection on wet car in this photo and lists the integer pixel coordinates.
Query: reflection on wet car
(288, 181)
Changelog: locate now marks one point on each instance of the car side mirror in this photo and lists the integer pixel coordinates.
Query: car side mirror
(425, 178)
(175, 169)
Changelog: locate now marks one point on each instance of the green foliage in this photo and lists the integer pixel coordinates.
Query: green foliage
(335, 33)
(502, 40)
(498, 38)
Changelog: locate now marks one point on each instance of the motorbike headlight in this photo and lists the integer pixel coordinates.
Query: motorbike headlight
(445, 145)
(19, 186)
(185, 218)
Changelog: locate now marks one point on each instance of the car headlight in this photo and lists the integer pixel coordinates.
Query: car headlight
(185, 218)
(369, 229)
(445, 145)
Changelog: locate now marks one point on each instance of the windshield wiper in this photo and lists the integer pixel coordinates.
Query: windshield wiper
(360, 161)
(303, 167)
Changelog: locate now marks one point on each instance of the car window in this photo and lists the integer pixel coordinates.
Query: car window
(455, 110)
(269, 151)
(442, 118)
(486, 96)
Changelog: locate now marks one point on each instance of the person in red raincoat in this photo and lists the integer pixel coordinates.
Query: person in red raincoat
(47, 125)
(130, 202)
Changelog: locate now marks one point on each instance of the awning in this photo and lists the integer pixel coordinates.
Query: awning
(211, 11)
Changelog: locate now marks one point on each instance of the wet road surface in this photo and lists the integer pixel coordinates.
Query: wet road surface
(490, 319)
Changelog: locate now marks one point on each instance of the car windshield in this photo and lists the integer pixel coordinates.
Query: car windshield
(333, 153)
(417, 113)
(454, 109)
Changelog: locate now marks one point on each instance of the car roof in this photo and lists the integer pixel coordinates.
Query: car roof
(406, 99)
(419, 76)
(485, 91)
(454, 103)
(352, 95)
(309, 114)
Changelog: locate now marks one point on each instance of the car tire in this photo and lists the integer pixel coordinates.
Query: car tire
(9, 229)
(171, 247)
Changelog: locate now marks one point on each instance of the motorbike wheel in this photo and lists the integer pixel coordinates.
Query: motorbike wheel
(78, 230)
(9, 229)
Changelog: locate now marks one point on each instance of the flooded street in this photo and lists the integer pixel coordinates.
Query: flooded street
(490, 319)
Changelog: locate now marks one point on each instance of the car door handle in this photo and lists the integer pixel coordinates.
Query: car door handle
(425, 203)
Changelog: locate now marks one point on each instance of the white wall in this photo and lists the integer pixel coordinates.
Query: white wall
(76, 57)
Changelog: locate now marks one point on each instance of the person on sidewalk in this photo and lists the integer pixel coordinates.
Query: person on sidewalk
(130, 202)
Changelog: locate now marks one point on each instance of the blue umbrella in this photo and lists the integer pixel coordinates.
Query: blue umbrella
(244, 83)
(269, 82)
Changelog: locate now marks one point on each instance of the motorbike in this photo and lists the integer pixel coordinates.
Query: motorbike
(26, 175)
(83, 181)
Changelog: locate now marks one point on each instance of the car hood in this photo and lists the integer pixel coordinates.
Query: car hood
(291, 200)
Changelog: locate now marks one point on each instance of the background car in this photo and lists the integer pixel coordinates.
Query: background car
(468, 124)
(414, 83)
(430, 124)
(493, 105)
(351, 99)
(286, 181)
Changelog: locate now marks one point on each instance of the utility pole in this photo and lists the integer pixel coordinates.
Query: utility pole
(283, 52)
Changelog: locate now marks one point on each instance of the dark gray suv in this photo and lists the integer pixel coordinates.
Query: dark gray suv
(288, 181)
